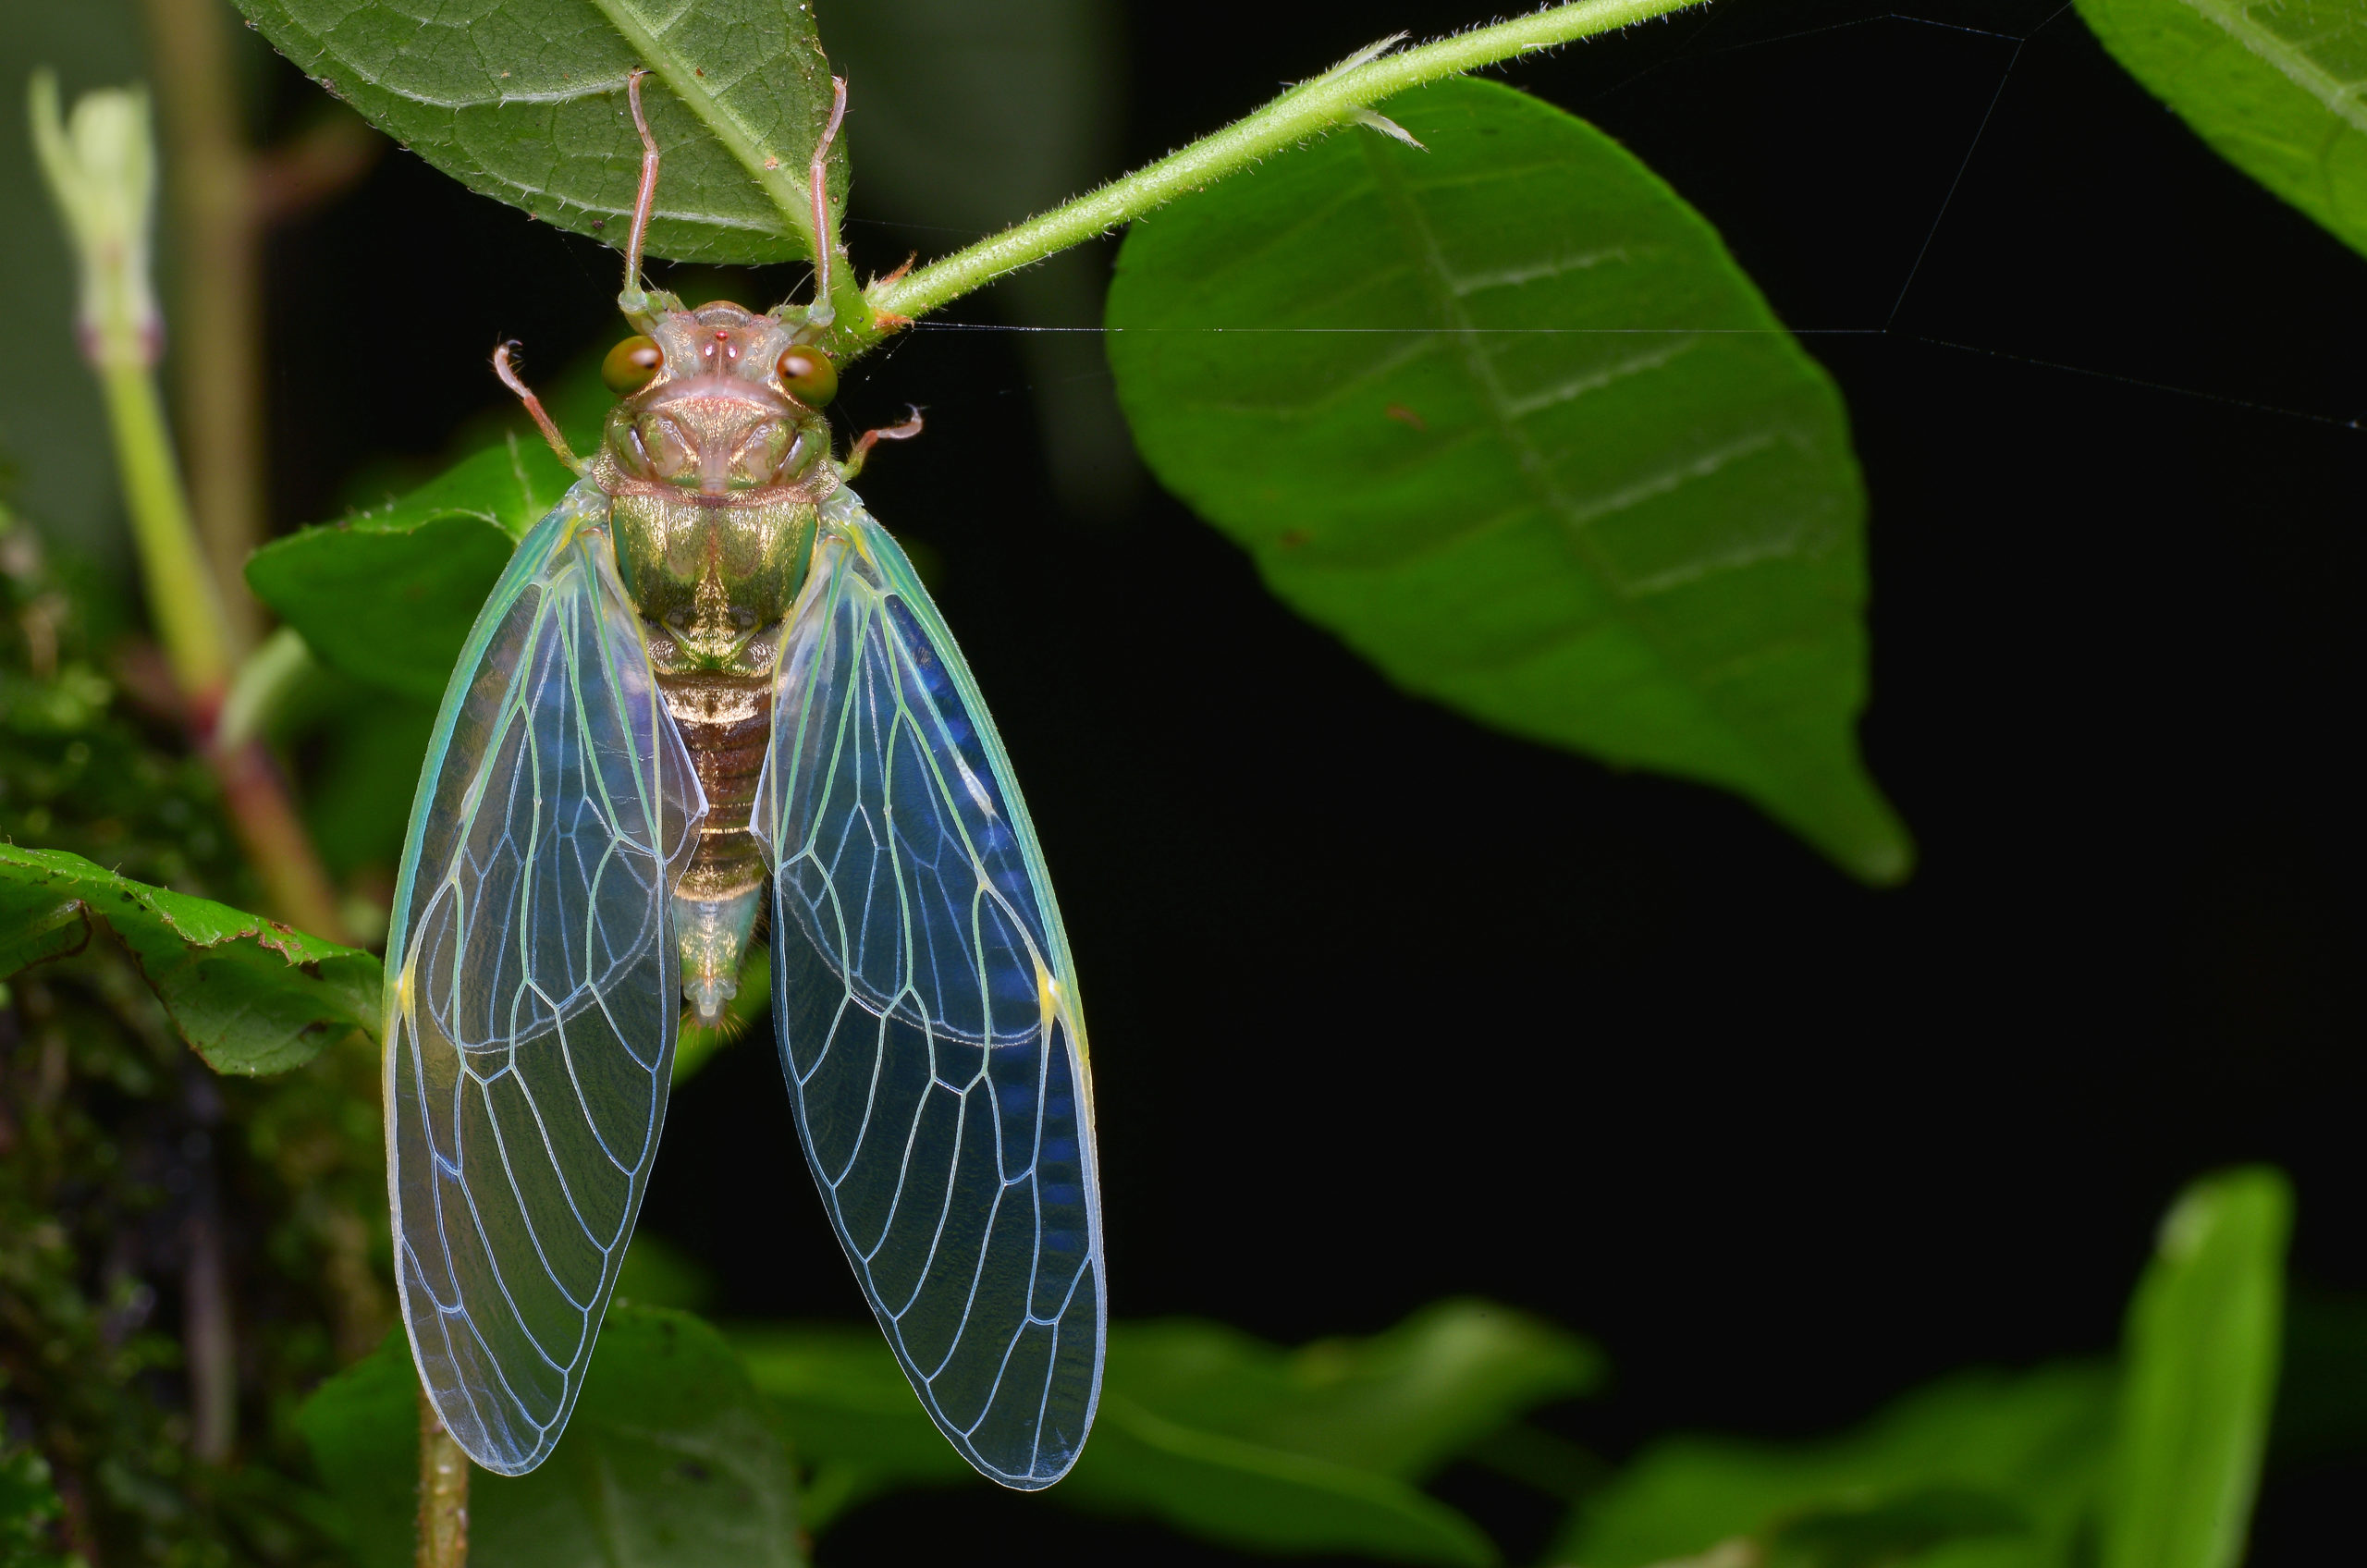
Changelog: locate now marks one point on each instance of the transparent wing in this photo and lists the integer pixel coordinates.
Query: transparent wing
(929, 1019)
(531, 986)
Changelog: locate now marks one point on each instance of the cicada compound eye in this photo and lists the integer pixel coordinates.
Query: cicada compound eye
(632, 366)
(808, 376)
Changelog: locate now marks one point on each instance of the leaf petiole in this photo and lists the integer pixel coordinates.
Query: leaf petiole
(1338, 97)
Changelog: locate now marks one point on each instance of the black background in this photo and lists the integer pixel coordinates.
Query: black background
(1388, 1006)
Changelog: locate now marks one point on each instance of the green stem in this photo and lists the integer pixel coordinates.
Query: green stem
(217, 327)
(1332, 100)
(182, 594)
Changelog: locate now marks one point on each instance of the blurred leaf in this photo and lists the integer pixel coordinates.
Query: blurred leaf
(363, 1426)
(2200, 1360)
(250, 995)
(672, 1460)
(1870, 1532)
(1216, 1432)
(358, 794)
(1402, 1402)
(2273, 86)
(1505, 416)
(524, 100)
(972, 117)
(1251, 1495)
(657, 1273)
(1980, 1471)
(388, 596)
(846, 1401)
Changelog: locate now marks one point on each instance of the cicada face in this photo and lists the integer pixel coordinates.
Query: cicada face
(708, 409)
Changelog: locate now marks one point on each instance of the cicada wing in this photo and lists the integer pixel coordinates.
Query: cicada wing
(927, 1015)
(530, 985)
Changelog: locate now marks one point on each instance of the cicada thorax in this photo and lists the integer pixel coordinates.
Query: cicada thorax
(715, 472)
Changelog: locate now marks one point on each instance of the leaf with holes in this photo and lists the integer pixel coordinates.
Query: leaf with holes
(248, 994)
(2279, 90)
(1502, 412)
(524, 100)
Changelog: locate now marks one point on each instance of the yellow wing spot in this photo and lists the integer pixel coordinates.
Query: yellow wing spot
(403, 992)
(1047, 994)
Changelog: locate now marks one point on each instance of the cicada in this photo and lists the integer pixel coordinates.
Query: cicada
(707, 678)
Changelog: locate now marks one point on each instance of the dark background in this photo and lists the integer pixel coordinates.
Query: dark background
(1388, 1006)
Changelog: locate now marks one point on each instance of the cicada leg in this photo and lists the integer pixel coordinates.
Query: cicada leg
(870, 438)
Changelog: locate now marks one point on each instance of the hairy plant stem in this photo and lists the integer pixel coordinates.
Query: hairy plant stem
(443, 1493)
(1334, 99)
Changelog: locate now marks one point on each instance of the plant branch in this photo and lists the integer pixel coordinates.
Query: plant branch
(443, 1493)
(1334, 99)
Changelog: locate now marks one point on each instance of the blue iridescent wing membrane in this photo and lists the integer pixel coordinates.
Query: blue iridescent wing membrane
(531, 986)
(927, 1014)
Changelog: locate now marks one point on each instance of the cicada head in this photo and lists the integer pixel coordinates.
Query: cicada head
(718, 402)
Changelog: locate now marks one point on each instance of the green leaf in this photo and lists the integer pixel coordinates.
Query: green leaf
(672, 1460)
(524, 100)
(847, 1403)
(2201, 1355)
(2274, 88)
(388, 596)
(1400, 1403)
(250, 995)
(1994, 1471)
(1218, 1433)
(1505, 416)
(1252, 1495)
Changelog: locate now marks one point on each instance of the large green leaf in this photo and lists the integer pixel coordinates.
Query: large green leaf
(1505, 416)
(1979, 1472)
(249, 994)
(524, 100)
(388, 596)
(671, 1460)
(2278, 87)
(1218, 1433)
(2200, 1375)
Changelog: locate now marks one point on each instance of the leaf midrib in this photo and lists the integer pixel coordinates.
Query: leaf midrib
(2341, 99)
(1536, 471)
(788, 197)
